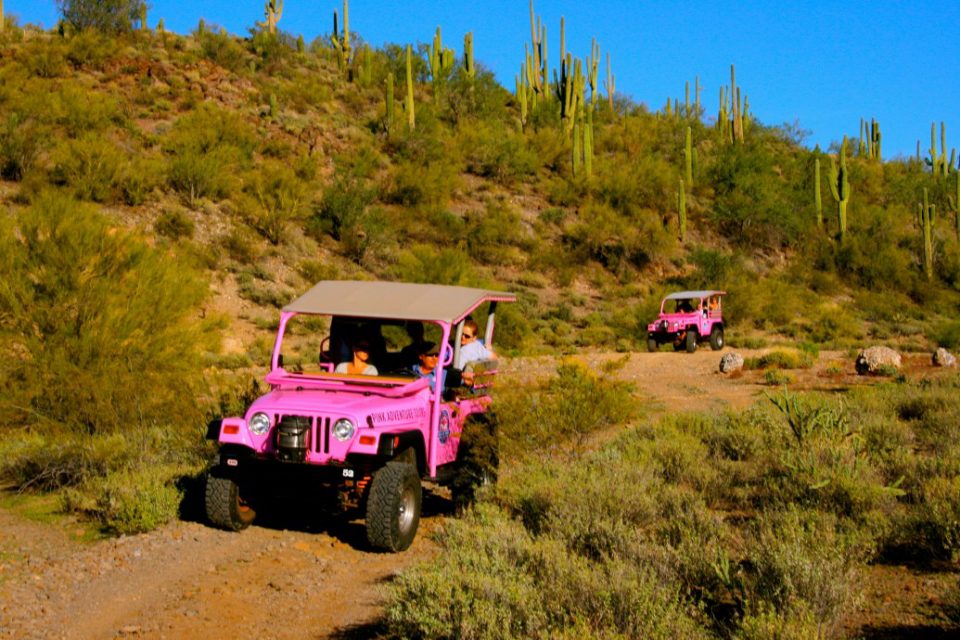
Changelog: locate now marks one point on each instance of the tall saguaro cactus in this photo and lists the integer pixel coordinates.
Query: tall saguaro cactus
(441, 59)
(3, 20)
(926, 214)
(840, 187)
(682, 211)
(408, 105)
(389, 117)
(468, 65)
(954, 201)
(688, 156)
(537, 60)
(610, 85)
(341, 43)
(273, 11)
(818, 202)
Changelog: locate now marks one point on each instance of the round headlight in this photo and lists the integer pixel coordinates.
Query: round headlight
(259, 424)
(343, 430)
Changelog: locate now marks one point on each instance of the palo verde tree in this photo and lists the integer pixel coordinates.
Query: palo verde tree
(108, 16)
(100, 332)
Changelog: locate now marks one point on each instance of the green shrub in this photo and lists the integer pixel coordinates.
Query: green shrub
(21, 141)
(134, 502)
(564, 411)
(103, 326)
(422, 263)
(90, 167)
(174, 224)
(45, 462)
(493, 580)
(780, 359)
(276, 197)
(346, 215)
(798, 558)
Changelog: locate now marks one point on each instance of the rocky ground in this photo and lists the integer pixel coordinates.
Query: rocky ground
(319, 579)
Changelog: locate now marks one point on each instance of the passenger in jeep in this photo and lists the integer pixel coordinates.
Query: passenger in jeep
(472, 348)
(429, 368)
(360, 364)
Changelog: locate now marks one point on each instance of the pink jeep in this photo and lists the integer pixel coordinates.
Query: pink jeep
(686, 318)
(371, 438)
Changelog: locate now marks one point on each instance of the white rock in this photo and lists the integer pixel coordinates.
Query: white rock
(876, 360)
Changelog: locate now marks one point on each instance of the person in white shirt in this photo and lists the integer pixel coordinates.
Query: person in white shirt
(471, 348)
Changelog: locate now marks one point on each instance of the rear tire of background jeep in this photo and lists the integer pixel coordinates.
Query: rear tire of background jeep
(652, 345)
(226, 505)
(716, 338)
(691, 342)
(393, 507)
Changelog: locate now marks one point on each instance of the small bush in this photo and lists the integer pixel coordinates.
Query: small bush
(90, 167)
(781, 359)
(137, 501)
(174, 224)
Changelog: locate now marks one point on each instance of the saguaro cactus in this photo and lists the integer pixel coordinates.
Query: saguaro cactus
(816, 192)
(688, 156)
(682, 211)
(537, 61)
(523, 95)
(441, 59)
(954, 201)
(610, 85)
(840, 187)
(570, 86)
(938, 161)
(593, 71)
(3, 20)
(388, 118)
(408, 105)
(341, 44)
(926, 214)
(273, 11)
(143, 16)
(468, 66)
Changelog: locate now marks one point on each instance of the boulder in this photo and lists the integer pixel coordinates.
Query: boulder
(877, 360)
(943, 358)
(731, 362)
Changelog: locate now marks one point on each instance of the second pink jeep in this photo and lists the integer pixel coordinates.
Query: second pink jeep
(687, 318)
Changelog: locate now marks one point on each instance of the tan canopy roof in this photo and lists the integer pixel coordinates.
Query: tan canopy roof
(393, 300)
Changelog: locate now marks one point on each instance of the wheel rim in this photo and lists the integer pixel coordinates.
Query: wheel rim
(406, 511)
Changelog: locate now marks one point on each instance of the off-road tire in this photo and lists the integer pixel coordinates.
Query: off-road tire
(716, 337)
(478, 460)
(691, 341)
(225, 504)
(393, 507)
(652, 345)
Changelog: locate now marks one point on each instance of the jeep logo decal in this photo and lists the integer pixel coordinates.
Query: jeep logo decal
(443, 431)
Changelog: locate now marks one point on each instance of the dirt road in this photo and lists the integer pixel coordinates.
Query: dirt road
(277, 579)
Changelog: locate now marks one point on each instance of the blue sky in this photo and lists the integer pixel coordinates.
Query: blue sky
(822, 65)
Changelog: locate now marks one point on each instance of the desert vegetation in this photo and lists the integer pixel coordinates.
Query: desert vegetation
(161, 192)
(756, 524)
